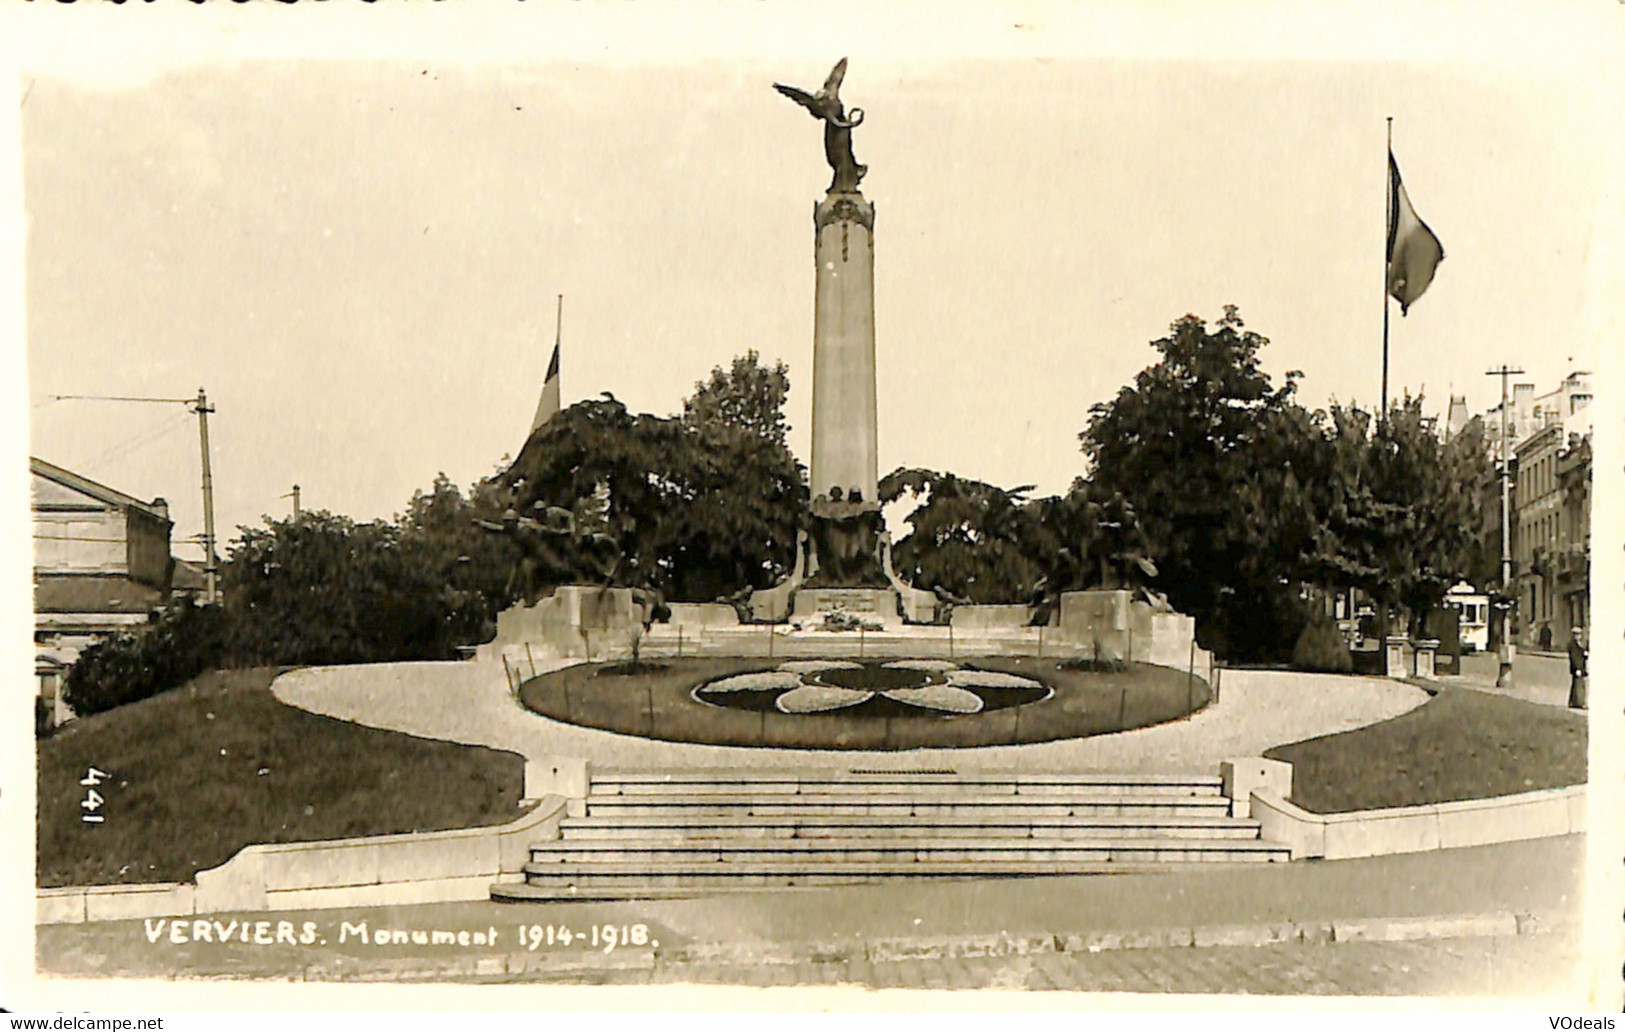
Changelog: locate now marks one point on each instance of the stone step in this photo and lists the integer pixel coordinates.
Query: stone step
(800, 826)
(749, 804)
(812, 782)
(548, 856)
(640, 882)
(645, 879)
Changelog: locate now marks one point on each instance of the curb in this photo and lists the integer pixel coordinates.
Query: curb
(639, 964)
(593, 967)
(1366, 929)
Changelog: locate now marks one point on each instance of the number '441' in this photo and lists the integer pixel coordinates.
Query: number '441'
(93, 799)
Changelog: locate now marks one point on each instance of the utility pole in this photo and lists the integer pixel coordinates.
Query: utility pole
(211, 565)
(1507, 651)
(294, 494)
(200, 405)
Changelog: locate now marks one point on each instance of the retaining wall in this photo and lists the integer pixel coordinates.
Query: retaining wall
(431, 867)
(1414, 829)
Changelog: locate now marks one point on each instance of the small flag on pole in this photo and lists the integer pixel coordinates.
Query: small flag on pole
(1414, 252)
(548, 407)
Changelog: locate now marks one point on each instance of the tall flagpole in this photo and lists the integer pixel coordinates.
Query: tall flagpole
(558, 326)
(1387, 258)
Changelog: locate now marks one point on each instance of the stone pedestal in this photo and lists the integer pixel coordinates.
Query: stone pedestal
(845, 453)
(1395, 654)
(578, 621)
(877, 605)
(1101, 620)
(1427, 651)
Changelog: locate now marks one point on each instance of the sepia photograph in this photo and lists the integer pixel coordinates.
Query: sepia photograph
(987, 507)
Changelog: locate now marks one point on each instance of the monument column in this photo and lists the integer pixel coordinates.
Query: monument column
(845, 453)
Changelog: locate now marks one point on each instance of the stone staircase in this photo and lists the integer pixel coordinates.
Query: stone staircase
(649, 834)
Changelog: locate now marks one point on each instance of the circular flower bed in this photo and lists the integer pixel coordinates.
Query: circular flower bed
(915, 704)
(879, 689)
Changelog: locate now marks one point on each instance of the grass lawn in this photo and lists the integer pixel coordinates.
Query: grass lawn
(197, 773)
(658, 703)
(1461, 744)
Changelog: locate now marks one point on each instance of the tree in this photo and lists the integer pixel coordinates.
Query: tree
(747, 396)
(1430, 489)
(698, 508)
(324, 589)
(968, 538)
(440, 532)
(1205, 449)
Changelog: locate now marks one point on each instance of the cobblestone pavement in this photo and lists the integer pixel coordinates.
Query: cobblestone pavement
(471, 703)
(1544, 965)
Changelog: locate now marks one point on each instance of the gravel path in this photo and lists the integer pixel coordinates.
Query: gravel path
(470, 702)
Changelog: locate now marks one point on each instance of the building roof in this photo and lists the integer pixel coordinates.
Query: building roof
(101, 492)
(91, 593)
(188, 576)
(1549, 436)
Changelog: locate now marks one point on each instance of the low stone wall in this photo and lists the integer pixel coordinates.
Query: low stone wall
(974, 619)
(432, 867)
(1412, 829)
(697, 615)
(1171, 638)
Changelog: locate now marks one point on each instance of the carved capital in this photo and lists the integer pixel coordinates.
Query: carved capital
(844, 207)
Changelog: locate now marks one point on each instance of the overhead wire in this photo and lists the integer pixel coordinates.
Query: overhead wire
(139, 441)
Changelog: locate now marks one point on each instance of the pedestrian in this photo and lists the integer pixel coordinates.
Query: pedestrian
(1577, 670)
(1545, 637)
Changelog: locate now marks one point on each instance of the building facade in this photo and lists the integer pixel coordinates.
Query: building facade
(1551, 510)
(102, 565)
(1528, 412)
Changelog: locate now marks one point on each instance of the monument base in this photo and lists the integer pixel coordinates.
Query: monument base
(1111, 622)
(869, 605)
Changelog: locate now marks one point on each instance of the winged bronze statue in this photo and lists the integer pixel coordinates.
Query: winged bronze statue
(825, 105)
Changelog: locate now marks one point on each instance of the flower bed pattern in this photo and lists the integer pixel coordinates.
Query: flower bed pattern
(936, 686)
(716, 701)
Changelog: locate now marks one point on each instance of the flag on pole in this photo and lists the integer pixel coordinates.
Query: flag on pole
(1413, 250)
(548, 407)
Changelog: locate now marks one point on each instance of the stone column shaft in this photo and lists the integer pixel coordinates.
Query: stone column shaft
(845, 452)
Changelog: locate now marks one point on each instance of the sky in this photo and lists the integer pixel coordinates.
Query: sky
(359, 258)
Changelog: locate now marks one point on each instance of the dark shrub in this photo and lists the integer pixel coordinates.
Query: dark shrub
(1321, 649)
(185, 642)
(42, 717)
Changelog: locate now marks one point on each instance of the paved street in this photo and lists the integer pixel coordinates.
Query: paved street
(1542, 679)
(826, 936)
(1526, 966)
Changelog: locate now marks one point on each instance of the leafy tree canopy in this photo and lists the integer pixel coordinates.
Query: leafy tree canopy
(1248, 500)
(971, 539)
(747, 396)
(700, 507)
